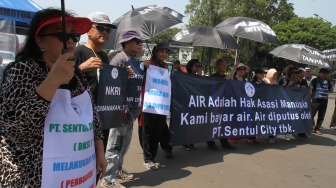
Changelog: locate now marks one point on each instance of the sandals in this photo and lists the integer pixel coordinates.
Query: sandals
(192, 146)
(253, 141)
(188, 147)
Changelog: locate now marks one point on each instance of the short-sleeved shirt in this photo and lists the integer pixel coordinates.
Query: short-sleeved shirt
(84, 53)
(219, 75)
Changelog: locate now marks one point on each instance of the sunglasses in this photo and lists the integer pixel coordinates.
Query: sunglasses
(198, 66)
(101, 28)
(74, 36)
(241, 69)
(137, 41)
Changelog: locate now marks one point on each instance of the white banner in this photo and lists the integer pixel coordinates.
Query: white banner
(68, 150)
(157, 91)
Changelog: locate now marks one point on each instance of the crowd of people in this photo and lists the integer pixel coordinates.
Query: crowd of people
(32, 82)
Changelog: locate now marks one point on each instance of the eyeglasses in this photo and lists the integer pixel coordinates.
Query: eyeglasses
(101, 28)
(74, 36)
(137, 41)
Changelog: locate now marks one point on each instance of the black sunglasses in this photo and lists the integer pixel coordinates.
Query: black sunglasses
(101, 28)
(74, 36)
(138, 41)
(199, 66)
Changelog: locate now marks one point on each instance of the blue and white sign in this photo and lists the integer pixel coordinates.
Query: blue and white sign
(157, 91)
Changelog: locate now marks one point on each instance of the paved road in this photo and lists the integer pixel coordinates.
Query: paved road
(295, 163)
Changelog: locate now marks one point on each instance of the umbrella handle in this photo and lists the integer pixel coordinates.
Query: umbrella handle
(236, 51)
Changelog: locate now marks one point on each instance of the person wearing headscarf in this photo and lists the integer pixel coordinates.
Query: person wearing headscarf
(271, 79)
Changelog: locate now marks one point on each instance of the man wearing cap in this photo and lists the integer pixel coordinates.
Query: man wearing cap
(319, 89)
(120, 138)
(221, 68)
(308, 75)
(90, 56)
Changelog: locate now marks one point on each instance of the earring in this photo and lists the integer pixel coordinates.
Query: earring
(42, 49)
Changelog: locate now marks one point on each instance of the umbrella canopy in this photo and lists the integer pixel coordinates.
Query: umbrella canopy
(149, 20)
(249, 28)
(21, 11)
(330, 54)
(302, 54)
(205, 36)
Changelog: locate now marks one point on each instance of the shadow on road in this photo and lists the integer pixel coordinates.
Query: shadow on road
(173, 169)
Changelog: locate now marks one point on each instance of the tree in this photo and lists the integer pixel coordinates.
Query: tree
(313, 32)
(164, 36)
(212, 12)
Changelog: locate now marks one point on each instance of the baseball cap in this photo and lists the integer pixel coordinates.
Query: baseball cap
(324, 70)
(300, 70)
(81, 25)
(163, 45)
(101, 18)
(259, 71)
(129, 34)
(307, 69)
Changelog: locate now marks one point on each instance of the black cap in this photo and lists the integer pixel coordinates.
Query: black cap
(176, 62)
(259, 71)
(324, 70)
(163, 46)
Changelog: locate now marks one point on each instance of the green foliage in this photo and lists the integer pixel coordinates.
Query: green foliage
(310, 31)
(212, 12)
(164, 36)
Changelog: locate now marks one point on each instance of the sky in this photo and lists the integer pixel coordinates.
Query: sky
(114, 9)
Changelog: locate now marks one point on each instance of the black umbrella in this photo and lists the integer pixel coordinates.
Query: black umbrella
(149, 20)
(249, 28)
(205, 36)
(330, 54)
(302, 54)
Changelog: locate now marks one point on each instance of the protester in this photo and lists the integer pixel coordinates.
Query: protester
(283, 78)
(238, 73)
(290, 80)
(257, 79)
(299, 82)
(193, 67)
(308, 75)
(333, 119)
(39, 75)
(90, 56)
(271, 79)
(119, 138)
(220, 73)
(319, 88)
(154, 126)
(176, 66)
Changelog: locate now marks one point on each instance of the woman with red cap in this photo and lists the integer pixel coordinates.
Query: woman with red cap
(47, 111)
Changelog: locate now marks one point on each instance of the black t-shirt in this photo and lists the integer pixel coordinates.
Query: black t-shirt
(281, 80)
(84, 53)
(217, 74)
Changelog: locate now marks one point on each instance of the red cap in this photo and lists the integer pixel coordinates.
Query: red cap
(80, 24)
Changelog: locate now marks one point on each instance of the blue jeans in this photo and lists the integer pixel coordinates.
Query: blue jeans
(118, 143)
